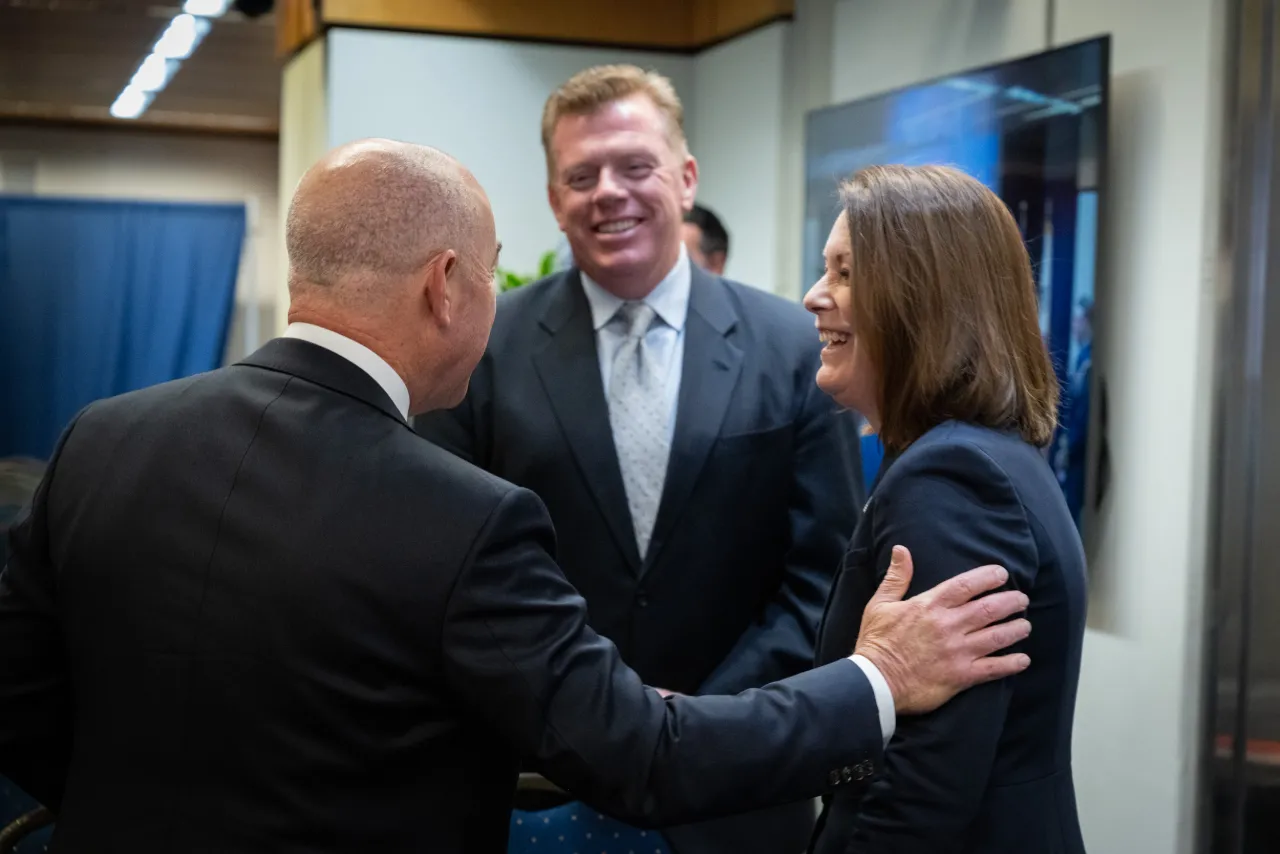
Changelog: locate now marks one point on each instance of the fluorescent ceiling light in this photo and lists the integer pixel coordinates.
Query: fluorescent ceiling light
(181, 37)
(153, 74)
(131, 103)
(206, 8)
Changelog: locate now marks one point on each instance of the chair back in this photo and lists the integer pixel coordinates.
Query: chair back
(23, 827)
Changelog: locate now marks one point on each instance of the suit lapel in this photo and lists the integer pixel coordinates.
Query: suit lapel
(712, 364)
(861, 545)
(569, 368)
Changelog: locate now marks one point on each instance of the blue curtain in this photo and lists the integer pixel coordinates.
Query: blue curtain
(102, 297)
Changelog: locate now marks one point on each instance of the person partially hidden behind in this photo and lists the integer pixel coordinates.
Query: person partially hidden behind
(929, 314)
(706, 239)
(253, 611)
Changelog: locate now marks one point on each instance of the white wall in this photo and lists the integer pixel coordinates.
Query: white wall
(304, 129)
(477, 99)
(808, 56)
(880, 46)
(170, 167)
(737, 135)
(1136, 735)
(1138, 728)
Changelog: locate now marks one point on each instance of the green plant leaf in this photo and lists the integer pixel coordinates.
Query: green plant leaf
(547, 265)
(508, 280)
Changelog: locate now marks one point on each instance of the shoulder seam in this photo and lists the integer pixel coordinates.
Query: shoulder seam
(1022, 505)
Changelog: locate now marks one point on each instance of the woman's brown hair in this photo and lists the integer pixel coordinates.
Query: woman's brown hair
(944, 305)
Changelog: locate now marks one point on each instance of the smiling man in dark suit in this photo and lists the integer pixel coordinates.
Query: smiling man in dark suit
(702, 486)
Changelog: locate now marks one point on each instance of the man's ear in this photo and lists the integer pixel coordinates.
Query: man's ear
(553, 199)
(437, 277)
(716, 262)
(689, 182)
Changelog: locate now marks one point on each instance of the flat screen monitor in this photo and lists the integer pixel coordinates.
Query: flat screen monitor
(1034, 130)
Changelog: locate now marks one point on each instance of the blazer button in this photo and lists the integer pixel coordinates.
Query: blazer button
(834, 778)
(642, 601)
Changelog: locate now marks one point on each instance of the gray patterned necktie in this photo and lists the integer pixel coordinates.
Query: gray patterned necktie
(637, 414)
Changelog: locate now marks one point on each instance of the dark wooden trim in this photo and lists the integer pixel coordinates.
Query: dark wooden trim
(499, 37)
(298, 23)
(596, 45)
(739, 33)
(138, 126)
(318, 35)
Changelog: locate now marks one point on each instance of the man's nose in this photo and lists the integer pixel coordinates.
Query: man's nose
(608, 187)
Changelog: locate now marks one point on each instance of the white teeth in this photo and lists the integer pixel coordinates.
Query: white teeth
(617, 226)
(828, 337)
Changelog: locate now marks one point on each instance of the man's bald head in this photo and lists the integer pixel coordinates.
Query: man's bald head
(378, 209)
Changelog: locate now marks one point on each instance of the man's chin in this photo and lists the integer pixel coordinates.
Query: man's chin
(459, 395)
(620, 263)
(625, 270)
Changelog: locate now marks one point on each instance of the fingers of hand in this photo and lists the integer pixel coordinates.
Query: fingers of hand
(995, 638)
(898, 578)
(989, 609)
(901, 562)
(956, 591)
(999, 667)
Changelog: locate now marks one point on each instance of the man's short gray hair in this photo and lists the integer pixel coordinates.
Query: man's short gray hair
(379, 209)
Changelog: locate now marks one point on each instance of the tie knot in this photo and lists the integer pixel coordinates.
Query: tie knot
(637, 316)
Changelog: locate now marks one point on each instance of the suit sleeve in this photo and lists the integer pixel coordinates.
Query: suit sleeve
(463, 430)
(35, 695)
(824, 508)
(954, 509)
(518, 650)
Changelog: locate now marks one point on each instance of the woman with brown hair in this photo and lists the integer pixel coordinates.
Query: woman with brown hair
(928, 311)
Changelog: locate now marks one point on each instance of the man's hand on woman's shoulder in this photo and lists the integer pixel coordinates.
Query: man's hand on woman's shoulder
(936, 644)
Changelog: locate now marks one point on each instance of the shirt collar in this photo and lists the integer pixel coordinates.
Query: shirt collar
(361, 356)
(669, 300)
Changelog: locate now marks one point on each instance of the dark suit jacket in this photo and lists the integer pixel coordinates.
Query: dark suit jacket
(761, 493)
(252, 611)
(989, 772)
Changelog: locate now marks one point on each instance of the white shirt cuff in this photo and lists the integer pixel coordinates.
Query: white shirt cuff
(884, 697)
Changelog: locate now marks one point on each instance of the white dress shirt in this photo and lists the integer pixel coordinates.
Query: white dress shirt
(670, 302)
(665, 340)
(359, 355)
(884, 697)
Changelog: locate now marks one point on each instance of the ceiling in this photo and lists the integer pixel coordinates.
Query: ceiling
(67, 60)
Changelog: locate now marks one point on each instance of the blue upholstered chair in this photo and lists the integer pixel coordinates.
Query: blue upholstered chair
(547, 821)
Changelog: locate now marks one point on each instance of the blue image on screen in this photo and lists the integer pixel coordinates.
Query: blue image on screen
(1034, 131)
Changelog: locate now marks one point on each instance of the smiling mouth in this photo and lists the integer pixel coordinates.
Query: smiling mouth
(832, 338)
(617, 226)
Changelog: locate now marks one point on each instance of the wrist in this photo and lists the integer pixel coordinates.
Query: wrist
(886, 705)
(885, 667)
